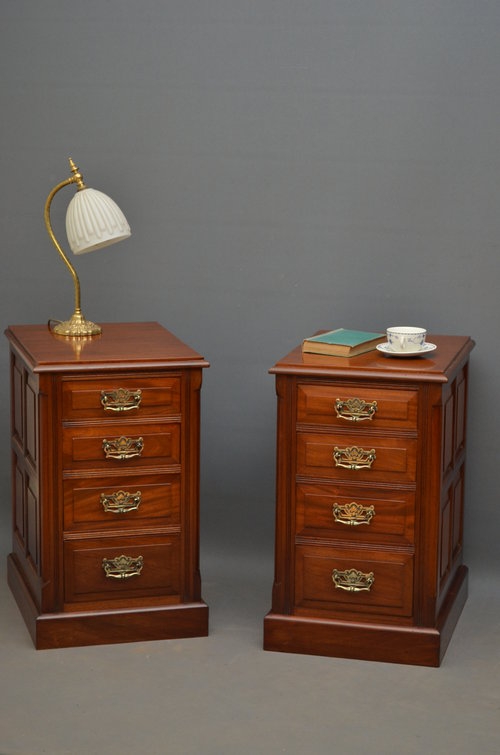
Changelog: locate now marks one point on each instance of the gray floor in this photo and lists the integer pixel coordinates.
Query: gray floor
(224, 695)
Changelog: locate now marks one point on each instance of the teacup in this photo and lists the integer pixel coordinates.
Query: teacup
(406, 338)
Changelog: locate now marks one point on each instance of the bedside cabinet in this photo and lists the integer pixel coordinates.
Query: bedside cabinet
(369, 509)
(105, 476)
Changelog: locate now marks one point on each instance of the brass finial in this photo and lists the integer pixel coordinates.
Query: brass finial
(77, 176)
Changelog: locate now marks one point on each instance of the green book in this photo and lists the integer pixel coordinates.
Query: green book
(342, 342)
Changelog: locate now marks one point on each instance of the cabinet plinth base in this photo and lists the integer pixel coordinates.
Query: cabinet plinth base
(419, 646)
(58, 630)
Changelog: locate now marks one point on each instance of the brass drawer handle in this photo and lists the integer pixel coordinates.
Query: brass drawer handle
(120, 400)
(353, 457)
(121, 502)
(122, 567)
(353, 513)
(122, 447)
(355, 409)
(352, 580)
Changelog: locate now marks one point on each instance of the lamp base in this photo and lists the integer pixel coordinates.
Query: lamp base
(77, 326)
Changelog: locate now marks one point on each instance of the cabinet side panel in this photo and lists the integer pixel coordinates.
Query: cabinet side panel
(285, 482)
(33, 529)
(31, 420)
(17, 401)
(458, 516)
(25, 487)
(191, 383)
(18, 499)
(460, 415)
(445, 543)
(452, 494)
(448, 446)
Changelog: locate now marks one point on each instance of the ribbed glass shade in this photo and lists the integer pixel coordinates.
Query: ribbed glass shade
(93, 221)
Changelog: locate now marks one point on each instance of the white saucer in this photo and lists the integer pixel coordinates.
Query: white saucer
(426, 349)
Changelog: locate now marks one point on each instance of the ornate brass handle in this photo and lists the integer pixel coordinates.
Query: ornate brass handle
(355, 409)
(122, 447)
(353, 513)
(353, 457)
(121, 502)
(120, 400)
(352, 580)
(122, 567)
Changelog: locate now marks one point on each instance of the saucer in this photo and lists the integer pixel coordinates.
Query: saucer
(426, 349)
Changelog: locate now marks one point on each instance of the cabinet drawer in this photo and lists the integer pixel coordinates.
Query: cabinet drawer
(390, 592)
(394, 459)
(345, 404)
(150, 567)
(116, 397)
(121, 445)
(348, 512)
(122, 502)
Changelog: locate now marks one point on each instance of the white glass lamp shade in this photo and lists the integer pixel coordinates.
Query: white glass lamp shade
(93, 221)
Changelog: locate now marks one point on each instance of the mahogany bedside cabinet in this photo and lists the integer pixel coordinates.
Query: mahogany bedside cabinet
(369, 510)
(105, 485)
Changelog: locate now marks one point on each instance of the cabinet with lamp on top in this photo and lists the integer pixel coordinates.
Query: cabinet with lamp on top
(105, 432)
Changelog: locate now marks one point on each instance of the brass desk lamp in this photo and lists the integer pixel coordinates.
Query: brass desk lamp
(93, 221)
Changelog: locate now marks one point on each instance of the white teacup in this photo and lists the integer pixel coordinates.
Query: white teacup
(406, 338)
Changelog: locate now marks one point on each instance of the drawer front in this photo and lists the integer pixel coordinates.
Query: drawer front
(372, 582)
(121, 445)
(116, 397)
(122, 502)
(344, 405)
(393, 459)
(121, 568)
(348, 512)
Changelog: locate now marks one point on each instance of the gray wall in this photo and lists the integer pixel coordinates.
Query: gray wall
(285, 166)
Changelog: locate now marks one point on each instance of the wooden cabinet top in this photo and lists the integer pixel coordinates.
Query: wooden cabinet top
(437, 367)
(139, 345)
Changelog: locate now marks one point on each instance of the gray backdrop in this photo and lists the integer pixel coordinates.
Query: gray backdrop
(285, 166)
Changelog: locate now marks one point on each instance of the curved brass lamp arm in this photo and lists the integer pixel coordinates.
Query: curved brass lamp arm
(48, 225)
